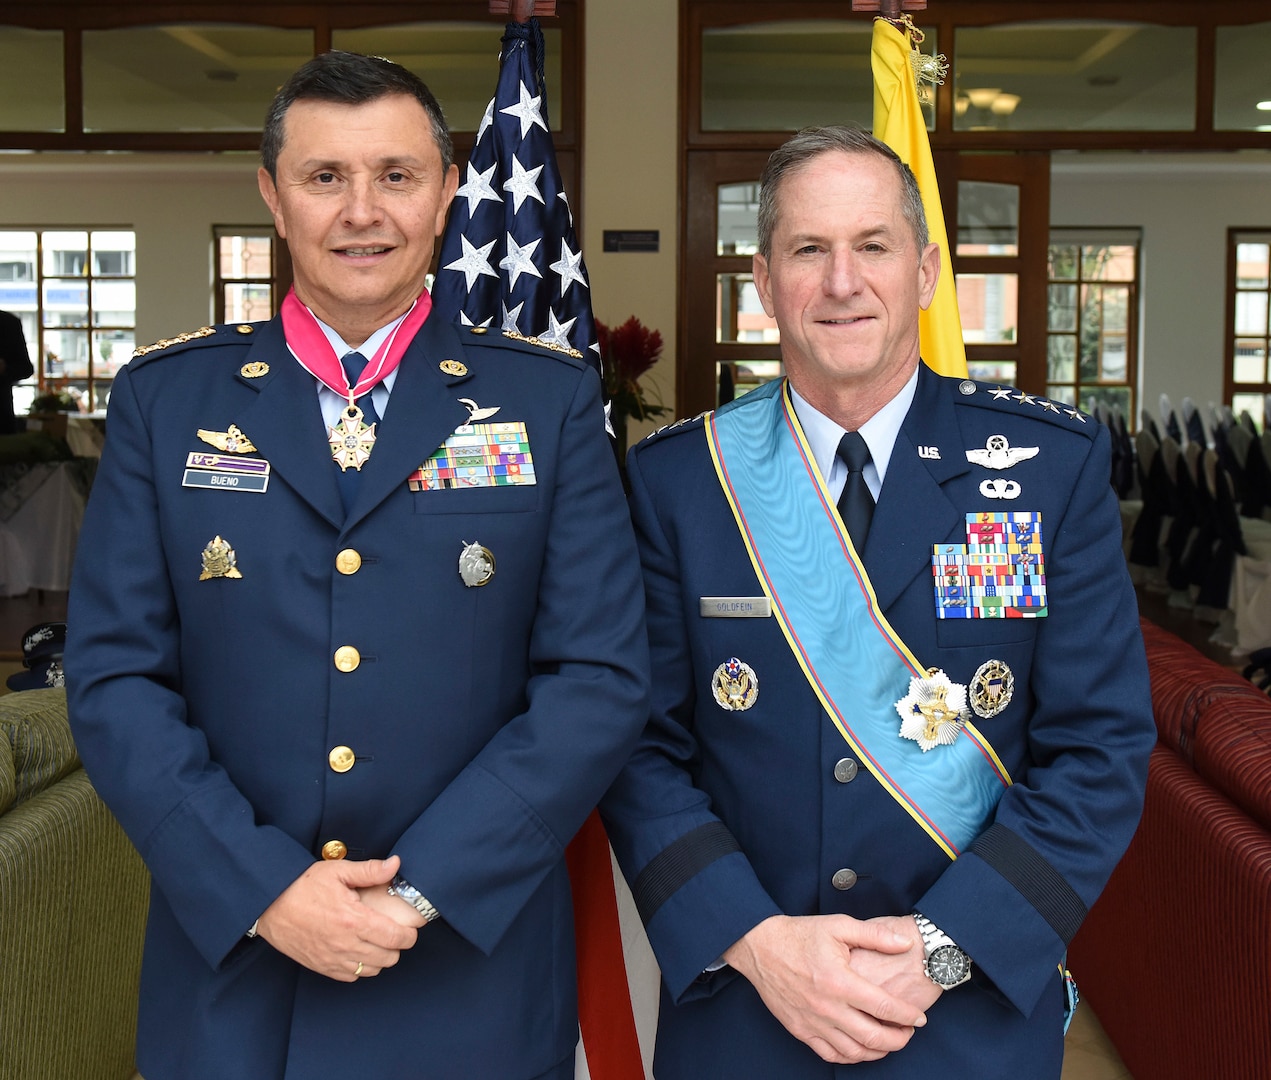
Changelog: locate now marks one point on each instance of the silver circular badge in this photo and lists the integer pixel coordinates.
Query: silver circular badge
(476, 565)
(992, 687)
(735, 685)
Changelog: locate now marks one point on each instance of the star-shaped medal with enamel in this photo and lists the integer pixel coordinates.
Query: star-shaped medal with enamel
(351, 440)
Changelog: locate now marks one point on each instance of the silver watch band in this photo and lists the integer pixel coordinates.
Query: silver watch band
(404, 890)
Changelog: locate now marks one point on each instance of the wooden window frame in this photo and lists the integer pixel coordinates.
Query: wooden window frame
(1229, 385)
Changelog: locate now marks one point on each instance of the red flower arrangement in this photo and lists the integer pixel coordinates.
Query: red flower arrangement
(626, 353)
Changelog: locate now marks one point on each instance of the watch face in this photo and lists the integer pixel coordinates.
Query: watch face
(948, 966)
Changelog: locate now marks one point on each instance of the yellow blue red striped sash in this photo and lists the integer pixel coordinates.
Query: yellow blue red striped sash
(853, 659)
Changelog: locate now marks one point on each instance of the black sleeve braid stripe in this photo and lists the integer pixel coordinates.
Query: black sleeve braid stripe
(671, 868)
(1037, 881)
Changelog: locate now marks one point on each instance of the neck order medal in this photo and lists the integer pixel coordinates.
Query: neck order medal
(351, 440)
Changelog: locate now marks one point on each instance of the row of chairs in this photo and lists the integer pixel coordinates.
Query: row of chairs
(1199, 528)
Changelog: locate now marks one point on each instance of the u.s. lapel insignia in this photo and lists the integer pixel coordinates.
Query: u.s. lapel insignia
(219, 561)
(476, 565)
(998, 488)
(228, 442)
(998, 453)
(929, 453)
(991, 689)
(254, 370)
(453, 367)
(934, 710)
(475, 412)
(735, 685)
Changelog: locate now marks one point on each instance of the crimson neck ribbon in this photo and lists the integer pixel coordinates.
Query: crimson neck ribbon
(310, 347)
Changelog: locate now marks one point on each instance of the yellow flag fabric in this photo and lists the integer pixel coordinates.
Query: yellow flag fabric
(898, 121)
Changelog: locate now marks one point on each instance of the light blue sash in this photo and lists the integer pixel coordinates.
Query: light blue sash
(853, 659)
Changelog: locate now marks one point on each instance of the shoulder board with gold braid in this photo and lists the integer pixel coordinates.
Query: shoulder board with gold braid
(220, 335)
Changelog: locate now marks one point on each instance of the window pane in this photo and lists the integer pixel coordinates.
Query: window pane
(782, 76)
(1107, 263)
(1001, 372)
(458, 61)
(1114, 397)
(248, 303)
(988, 218)
(66, 253)
(1104, 333)
(114, 254)
(1061, 358)
(65, 354)
(1251, 265)
(989, 306)
(31, 80)
(738, 217)
(1065, 394)
(1240, 77)
(1250, 403)
(246, 256)
(187, 77)
(1076, 75)
(1063, 262)
(1251, 362)
(114, 303)
(1251, 313)
(65, 302)
(1061, 307)
(112, 349)
(735, 378)
(740, 315)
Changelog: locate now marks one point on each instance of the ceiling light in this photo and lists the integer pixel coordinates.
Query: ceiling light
(1265, 106)
(1005, 104)
(982, 98)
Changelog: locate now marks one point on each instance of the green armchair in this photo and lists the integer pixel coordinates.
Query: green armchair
(73, 900)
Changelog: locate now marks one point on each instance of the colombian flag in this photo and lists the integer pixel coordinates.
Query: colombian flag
(898, 121)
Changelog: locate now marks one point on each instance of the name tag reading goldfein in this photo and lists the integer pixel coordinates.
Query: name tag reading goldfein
(735, 607)
(223, 473)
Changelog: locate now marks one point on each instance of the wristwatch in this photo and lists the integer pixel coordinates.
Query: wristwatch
(404, 890)
(945, 964)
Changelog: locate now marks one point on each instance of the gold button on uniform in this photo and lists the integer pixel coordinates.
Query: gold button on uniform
(334, 849)
(347, 658)
(341, 759)
(348, 561)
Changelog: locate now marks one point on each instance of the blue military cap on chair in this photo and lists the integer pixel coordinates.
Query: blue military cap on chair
(42, 648)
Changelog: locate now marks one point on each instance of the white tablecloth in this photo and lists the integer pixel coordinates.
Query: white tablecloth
(37, 542)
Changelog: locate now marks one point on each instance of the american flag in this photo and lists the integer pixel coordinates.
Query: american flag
(510, 258)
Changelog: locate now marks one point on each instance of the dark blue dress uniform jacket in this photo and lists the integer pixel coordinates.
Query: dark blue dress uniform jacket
(486, 722)
(724, 818)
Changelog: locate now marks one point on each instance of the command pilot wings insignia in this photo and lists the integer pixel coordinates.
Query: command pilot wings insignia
(998, 453)
(228, 442)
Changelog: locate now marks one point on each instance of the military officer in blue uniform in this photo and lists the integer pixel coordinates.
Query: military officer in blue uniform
(900, 719)
(356, 648)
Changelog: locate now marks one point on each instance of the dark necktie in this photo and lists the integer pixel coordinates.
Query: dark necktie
(856, 504)
(354, 363)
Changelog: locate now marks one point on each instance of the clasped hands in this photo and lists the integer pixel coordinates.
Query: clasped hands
(338, 919)
(852, 990)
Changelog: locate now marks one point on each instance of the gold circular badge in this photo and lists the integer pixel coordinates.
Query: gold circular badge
(453, 367)
(992, 687)
(254, 370)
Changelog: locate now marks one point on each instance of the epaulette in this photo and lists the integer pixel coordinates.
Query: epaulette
(685, 424)
(532, 345)
(1009, 399)
(225, 334)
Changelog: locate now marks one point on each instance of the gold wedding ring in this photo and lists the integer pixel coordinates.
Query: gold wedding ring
(357, 971)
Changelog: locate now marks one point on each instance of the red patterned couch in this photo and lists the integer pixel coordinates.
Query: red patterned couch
(1175, 958)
